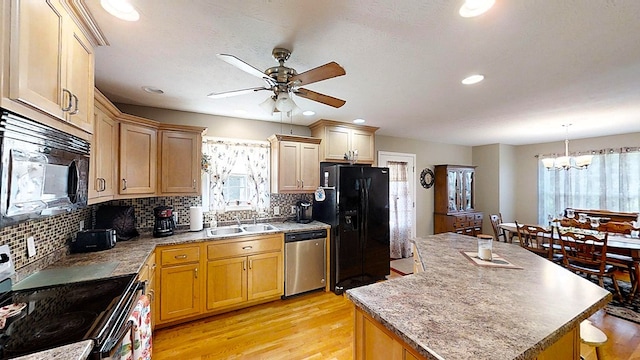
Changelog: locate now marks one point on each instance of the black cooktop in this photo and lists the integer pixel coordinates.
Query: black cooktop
(57, 315)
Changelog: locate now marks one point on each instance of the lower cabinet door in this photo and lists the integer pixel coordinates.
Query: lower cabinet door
(266, 275)
(226, 282)
(180, 292)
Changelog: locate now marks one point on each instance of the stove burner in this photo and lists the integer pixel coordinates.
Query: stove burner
(28, 334)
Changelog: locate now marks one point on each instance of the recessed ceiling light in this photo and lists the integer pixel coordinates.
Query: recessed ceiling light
(308, 113)
(152, 90)
(120, 9)
(473, 79)
(472, 8)
(358, 121)
(240, 112)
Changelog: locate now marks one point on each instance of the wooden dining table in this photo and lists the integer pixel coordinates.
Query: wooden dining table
(616, 243)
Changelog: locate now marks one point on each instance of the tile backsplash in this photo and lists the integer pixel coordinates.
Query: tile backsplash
(53, 233)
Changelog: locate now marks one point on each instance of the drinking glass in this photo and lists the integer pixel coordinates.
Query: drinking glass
(595, 222)
(570, 213)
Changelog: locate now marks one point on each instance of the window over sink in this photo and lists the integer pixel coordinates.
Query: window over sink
(236, 175)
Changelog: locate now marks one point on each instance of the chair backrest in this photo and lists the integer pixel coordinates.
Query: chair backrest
(584, 252)
(534, 238)
(570, 222)
(617, 227)
(495, 221)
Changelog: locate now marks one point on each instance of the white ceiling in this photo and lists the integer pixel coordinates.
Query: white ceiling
(546, 63)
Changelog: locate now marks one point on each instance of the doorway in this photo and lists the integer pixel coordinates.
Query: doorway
(402, 200)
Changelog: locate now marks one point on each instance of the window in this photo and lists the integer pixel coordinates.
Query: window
(611, 182)
(237, 174)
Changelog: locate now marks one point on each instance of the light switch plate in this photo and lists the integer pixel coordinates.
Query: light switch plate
(276, 210)
(31, 247)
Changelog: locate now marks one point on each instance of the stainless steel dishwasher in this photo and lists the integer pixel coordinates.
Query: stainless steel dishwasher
(304, 261)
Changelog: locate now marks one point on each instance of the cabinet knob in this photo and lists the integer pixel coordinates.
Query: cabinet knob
(183, 256)
(247, 247)
(195, 272)
(194, 183)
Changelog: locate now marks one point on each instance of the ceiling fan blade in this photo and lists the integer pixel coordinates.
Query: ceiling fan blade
(230, 59)
(323, 72)
(321, 98)
(235, 92)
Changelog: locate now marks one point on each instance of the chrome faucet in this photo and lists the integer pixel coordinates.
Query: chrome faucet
(237, 217)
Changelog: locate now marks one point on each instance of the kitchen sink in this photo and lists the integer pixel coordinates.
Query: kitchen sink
(239, 230)
(225, 230)
(259, 228)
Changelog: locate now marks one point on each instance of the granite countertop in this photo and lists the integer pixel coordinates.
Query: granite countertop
(127, 257)
(456, 309)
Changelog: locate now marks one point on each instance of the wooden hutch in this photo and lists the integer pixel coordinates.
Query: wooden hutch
(454, 209)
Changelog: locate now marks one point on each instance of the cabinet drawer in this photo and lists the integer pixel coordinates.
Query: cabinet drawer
(181, 255)
(471, 217)
(240, 248)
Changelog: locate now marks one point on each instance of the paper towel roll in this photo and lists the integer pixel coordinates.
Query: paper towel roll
(195, 218)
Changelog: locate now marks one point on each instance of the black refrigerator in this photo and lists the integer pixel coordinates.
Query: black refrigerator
(356, 205)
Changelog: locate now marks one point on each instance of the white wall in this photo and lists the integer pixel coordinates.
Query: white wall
(487, 182)
(428, 154)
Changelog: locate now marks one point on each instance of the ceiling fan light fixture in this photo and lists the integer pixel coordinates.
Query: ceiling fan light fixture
(473, 8)
(284, 102)
(121, 9)
(473, 79)
(269, 105)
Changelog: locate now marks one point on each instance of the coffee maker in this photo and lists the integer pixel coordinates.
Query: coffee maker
(303, 212)
(164, 224)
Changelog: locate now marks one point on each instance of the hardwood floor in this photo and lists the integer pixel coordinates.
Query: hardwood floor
(319, 326)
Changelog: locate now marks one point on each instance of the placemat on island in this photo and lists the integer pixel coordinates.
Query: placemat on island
(497, 261)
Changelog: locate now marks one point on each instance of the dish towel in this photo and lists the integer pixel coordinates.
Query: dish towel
(137, 343)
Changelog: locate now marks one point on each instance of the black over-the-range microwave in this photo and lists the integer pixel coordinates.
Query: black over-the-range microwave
(44, 170)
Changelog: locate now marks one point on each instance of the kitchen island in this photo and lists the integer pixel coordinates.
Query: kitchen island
(457, 309)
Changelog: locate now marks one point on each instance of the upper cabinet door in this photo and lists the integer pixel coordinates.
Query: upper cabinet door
(36, 71)
(51, 63)
(80, 79)
(180, 162)
(138, 154)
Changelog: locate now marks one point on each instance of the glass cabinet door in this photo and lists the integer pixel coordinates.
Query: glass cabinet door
(467, 190)
(452, 190)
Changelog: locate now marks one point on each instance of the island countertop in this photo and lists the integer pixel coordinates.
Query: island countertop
(456, 309)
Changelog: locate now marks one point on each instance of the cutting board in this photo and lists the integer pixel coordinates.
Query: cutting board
(65, 275)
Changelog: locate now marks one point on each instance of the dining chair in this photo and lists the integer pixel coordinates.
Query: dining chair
(587, 254)
(617, 227)
(496, 219)
(539, 240)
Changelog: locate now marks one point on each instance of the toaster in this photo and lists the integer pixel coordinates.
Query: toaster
(93, 240)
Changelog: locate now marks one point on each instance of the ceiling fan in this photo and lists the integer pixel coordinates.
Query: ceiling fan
(284, 81)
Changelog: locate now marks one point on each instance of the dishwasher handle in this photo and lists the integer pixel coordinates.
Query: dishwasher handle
(305, 235)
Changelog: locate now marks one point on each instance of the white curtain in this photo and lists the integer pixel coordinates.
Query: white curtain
(399, 210)
(223, 155)
(611, 182)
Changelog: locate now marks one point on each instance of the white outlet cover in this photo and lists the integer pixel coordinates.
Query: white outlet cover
(276, 210)
(31, 246)
(293, 209)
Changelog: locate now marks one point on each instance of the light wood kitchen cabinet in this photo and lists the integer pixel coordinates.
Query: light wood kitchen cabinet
(51, 63)
(104, 158)
(244, 271)
(454, 200)
(180, 282)
(138, 158)
(179, 161)
(373, 341)
(147, 275)
(340, 139)
(294, 163)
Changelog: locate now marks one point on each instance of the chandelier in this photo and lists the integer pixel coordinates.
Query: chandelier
(567, 162)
